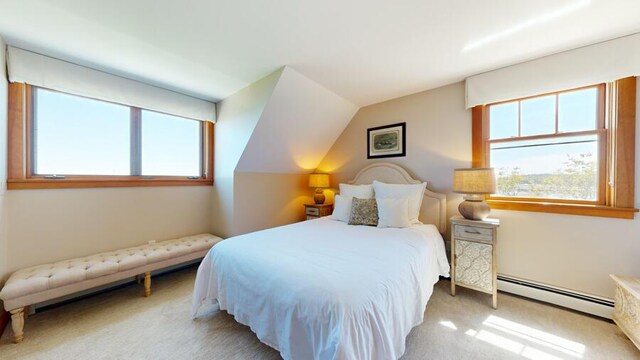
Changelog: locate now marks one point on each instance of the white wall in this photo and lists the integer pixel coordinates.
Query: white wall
(3, 161)
(51, 225)
(568, 251)
(266, 200)
(237, 118)
(267, 138)
(297, 127)
(438, 139)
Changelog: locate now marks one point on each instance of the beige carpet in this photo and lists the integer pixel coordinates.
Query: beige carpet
(123, 325)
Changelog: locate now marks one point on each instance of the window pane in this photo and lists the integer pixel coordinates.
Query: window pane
(80, 136)
(170, 145)
(559, 168)
(577, 110)
(538, 116)
(504, 120)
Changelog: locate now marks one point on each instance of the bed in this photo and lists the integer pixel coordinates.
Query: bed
(322, 289)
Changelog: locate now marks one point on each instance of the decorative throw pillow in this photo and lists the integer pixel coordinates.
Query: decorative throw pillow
(364, 212)
(413, 192)
(393, 213)
(359, 191)
(341, 208)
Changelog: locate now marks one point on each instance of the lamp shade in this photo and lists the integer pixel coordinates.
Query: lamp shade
(474, 181)
(319, 180)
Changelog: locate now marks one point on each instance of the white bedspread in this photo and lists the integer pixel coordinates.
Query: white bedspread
(322, 289)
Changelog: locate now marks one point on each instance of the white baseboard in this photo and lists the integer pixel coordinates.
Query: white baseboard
(589, 304)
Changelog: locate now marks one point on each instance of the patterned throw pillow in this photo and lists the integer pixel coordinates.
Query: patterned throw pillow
(364, 212)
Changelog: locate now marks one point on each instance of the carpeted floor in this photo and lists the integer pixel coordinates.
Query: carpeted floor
(121, 324)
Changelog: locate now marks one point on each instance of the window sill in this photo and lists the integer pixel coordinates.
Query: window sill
(560, 208)
(79, 183)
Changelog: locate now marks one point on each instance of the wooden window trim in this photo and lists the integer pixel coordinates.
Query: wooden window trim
(20, 139)
(564, 208)
(600, 131)
(616, 162)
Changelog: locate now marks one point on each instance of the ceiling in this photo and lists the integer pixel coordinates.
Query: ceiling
(366, 51)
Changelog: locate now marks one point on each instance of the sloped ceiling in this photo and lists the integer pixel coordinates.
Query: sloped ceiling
(297, 127)
(284, 123)
(366, 51)
(49, 29)
(238, 116)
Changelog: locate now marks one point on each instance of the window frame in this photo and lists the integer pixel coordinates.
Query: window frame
(615, 130)
(21, 153)
(600, 131)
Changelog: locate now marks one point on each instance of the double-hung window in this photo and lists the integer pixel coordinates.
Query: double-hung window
(59, 140)
(550, 147)
(565, 152)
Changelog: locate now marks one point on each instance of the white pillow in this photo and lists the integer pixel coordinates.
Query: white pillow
(393, 213)
(359, 191)
(413, 192)
(341, 208)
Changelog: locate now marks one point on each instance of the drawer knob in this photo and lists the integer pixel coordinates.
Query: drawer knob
(472, 232)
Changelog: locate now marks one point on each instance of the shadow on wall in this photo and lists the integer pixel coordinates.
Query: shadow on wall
(436, 170)
(265, 200)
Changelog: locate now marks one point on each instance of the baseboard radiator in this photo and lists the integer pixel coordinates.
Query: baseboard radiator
(586, 303)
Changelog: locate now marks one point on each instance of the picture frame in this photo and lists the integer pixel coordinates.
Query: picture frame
(387, 141)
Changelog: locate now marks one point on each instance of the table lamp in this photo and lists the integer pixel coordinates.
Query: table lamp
(475, 183)
(319, 181)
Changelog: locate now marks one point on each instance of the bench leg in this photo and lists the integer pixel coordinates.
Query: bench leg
(147, 284)
(17, 324)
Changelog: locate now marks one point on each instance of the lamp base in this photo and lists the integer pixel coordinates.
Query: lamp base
(473, 209)
(319, 197)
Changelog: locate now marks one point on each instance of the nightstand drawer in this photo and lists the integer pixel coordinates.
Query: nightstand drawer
(314, 211)
(473, 233)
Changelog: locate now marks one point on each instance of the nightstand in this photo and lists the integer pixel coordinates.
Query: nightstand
(627, 307)
(473, 255)
(314, 211)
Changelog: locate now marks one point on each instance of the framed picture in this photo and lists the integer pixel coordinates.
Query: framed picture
(386, 141)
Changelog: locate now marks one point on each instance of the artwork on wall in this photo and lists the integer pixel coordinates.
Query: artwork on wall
(386, 141)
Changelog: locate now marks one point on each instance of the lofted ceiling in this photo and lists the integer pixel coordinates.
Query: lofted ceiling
(313, 117)
(366, 51)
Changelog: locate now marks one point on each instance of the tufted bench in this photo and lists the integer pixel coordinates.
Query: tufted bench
(45, 282)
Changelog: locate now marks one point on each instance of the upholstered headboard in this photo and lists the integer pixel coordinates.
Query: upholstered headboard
(434, 205)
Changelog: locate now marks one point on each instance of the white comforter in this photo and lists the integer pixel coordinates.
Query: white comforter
(322, 289)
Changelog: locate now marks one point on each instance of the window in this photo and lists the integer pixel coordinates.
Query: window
(170, 145)
(547, 147)
(565, 152)
(79, 136)
(57, 140)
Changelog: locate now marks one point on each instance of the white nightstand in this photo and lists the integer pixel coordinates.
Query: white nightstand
(473, 255)
(314, 211)
(626, 313)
